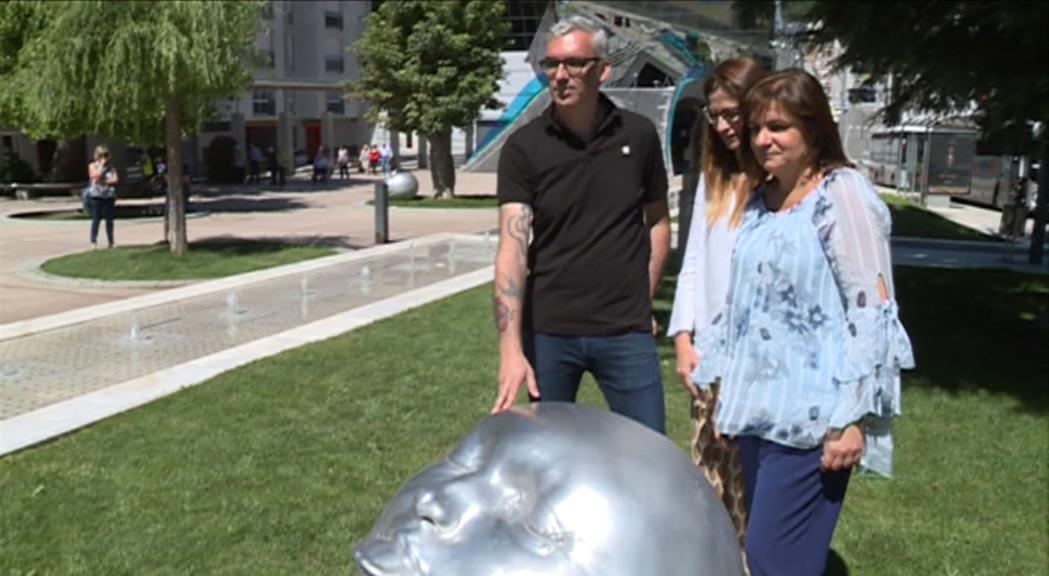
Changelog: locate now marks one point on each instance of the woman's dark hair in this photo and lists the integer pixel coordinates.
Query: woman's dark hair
(799, 95)
(717, 162)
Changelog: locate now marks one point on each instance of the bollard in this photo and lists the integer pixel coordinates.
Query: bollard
(382, 214)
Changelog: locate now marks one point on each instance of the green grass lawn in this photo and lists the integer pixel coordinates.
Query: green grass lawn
(280, 466)
(209, 259)
(913, 220)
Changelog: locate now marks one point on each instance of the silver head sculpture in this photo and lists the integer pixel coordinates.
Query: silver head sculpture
(555, 489)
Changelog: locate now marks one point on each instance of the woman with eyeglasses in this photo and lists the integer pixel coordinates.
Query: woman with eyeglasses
(101, 193)
(703, 281)
(808, 348)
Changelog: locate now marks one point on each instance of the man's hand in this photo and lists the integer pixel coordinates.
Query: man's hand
(842, 449)
(513, 370)
(687, 360)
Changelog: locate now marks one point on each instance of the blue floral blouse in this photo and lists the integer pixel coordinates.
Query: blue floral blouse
(805, 342)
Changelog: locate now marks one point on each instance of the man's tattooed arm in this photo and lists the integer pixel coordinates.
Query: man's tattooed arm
(511, 267)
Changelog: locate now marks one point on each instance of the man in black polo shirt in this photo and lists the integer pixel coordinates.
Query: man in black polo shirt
(587, 181)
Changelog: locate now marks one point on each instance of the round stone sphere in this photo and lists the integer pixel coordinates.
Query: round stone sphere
(402, 185)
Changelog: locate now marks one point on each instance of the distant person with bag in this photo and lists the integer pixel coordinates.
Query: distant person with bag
(100, 194)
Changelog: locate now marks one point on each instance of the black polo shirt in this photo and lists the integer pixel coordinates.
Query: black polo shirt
(588, 260)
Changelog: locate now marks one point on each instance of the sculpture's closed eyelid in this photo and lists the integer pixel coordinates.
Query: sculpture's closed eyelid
(544, 535)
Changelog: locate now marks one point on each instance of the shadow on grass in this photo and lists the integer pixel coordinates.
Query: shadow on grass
(970, 330)
(836, 565)
(245, 205)
(121, 212)
(208, 190)
(978, 330)
(239, 246)
(465, 201)
(910, 220)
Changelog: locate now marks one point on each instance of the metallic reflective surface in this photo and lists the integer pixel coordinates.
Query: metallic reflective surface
(558, 490)
(402, 185)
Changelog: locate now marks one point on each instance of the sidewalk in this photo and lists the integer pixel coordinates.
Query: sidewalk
(334, 214)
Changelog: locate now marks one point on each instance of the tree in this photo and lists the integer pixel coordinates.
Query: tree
(141, 72)
(431, 66)
(956, 55)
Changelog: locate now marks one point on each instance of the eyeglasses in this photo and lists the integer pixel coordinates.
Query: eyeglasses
(732, 116)
(574, 66)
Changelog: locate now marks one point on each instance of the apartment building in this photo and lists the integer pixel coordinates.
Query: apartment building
(297, 101)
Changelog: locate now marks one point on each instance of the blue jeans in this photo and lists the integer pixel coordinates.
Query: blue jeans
(102, 208)
(626, 368)
(794, 508)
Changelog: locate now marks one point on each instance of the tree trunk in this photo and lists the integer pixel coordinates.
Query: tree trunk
(176, 230)
(1041, 204)
(442, 166)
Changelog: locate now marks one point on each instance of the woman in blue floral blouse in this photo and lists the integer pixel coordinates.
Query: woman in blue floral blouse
(809, 346)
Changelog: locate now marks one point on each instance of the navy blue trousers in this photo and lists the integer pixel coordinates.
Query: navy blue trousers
(794, 508)
(626, 368)
(102, 209)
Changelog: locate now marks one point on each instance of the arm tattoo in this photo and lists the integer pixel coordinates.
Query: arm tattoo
(518, 227)
(503, 314)
(511, 289)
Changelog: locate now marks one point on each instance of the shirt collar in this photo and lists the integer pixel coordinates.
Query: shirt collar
(608, 116)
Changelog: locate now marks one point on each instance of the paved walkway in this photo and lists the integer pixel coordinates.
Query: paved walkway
(68, 370)
(335, 214)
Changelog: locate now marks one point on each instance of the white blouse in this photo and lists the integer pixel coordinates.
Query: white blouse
(702, 283)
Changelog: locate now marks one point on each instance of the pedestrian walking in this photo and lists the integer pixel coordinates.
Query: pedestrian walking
(386, 157)
(344, 162)
(373, 159)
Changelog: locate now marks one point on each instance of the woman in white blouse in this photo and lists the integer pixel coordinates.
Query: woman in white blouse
(703, 282)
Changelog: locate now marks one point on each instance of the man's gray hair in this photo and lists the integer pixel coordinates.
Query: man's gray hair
(598, 36)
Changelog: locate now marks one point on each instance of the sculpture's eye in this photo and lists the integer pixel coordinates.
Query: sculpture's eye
(470, 454)
(543, 534)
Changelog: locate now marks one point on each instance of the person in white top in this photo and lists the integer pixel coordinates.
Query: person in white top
(702, 284)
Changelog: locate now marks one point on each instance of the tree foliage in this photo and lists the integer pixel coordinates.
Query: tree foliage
(955, 56)
(946, 56)
(108, 68)
(431, 66)
(141, 72)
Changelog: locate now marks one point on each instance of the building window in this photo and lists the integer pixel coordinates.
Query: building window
(9, 143)
(269, 59)
(264, 103)
(267, 11)
(334, 102)
(524, 17)
(863, 94)
(333, 63)
(332, 20)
